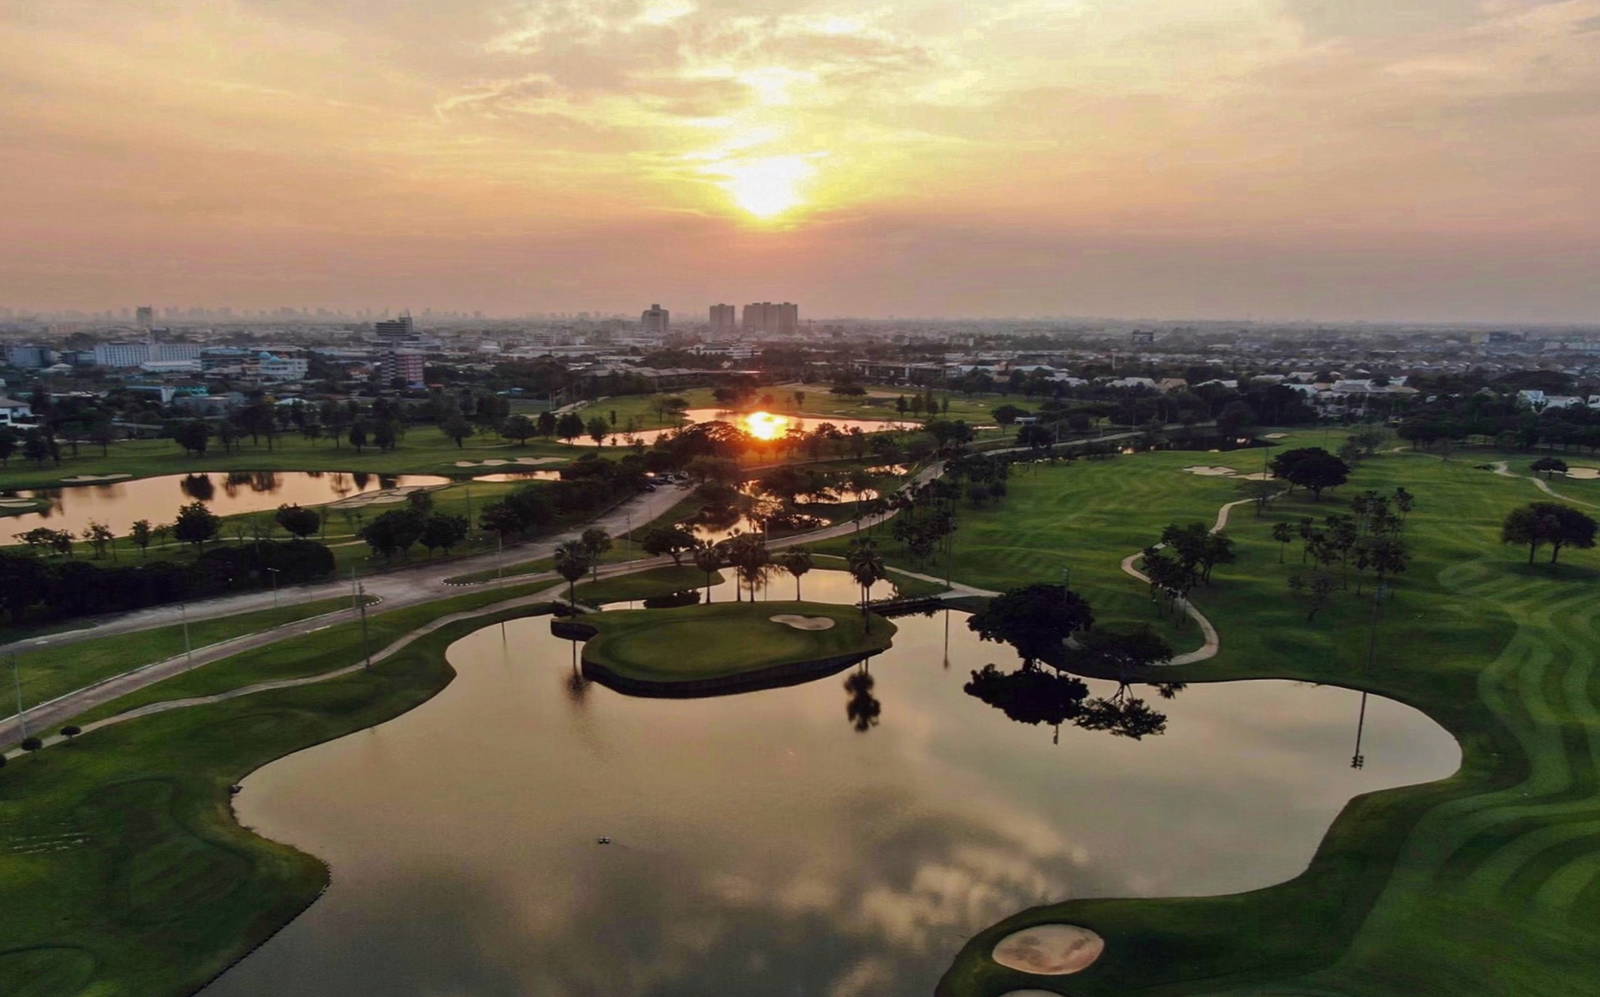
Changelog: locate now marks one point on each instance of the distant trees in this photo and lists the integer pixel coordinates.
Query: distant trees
(1548, 523)
(598, 429)
(298, 520)
(443, 532)
(192, 436)
(394, 531)
(196, 524)
(1311, 468)
(1548, 466)
(457, 428)
(141, 533)
(674, 541)
(1005, 415)
(518, 427)
(569, 427)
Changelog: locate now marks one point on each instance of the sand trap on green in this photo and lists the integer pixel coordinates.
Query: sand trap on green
(1211, 471)
(17, 503)
(694, 643)
(387, 496)
(803, 622)
(1583, 473)
(503, 461)
(1050, 949)
(78, 479)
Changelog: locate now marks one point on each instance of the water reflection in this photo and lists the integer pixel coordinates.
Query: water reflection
(119, 504)
(761, 846)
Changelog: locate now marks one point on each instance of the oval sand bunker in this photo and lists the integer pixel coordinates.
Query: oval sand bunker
(803, 622)
(1050, 949)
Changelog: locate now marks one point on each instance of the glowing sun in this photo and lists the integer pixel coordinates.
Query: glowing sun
(765, 425)
(769, 186)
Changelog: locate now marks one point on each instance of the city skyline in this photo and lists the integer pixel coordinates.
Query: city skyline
(1271, 159)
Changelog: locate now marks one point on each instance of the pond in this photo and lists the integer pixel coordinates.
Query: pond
(119, 504)
(761, 844)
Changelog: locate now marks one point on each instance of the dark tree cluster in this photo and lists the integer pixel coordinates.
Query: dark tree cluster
(1367, 541)
(1548, 524)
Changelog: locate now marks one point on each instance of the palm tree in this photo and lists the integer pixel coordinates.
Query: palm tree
(572, 563)
(866, 567)
(796, 561)
(708, 559)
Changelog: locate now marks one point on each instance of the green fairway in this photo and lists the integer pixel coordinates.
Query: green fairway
(48, 672)
(697, 643)
(1484, 883)
(124, 872)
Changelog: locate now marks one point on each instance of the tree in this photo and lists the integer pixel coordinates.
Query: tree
(569, 427)
(1258, 493)
(358, 434)
(1236, 420)
(298, 520)
(386, 434)
(572, 563)
(668, 540)
(1005, 415)
(39, 446)
(519, 428)
(1550, 523)
(8, 444)
(1315, 588)
(546, 423)
(1284, 534)
(443, 531)
(595, 543)
(865, 566)
(597, 428)
(71, 731)
(708, 558)
(1035, 436)
(196, 524)
(141, 534)
(99, 536)
(1035, 619)
(393, 532)
(457, 428)
(796, 561)
(1311, 468)
(192, 436)
(1548, 466)
(31, 744)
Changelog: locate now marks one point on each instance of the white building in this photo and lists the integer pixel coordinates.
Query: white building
(121, 354)
(13, 412)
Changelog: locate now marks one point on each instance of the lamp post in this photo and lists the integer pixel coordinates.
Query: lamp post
(361, 593)
(188, 650)
(16, 678)
(274, 573)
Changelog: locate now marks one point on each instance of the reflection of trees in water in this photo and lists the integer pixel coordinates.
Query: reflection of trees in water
(863, 708)
(1035, 694)
(388, 480)
(199, 487)
(339, 482)
(361, 479)
(576, 685)
(265, 481)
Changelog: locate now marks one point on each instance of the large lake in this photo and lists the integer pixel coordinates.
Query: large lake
(119, 504)
(762, 845)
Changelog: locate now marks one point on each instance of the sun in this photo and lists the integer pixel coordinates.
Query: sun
(765, 425)
(769, 186)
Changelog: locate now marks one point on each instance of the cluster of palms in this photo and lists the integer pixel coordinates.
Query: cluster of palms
(1366, 539)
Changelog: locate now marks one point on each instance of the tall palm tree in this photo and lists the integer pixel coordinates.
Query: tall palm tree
(708, 559)
(865, 566)
(572, 563)
(796, 561)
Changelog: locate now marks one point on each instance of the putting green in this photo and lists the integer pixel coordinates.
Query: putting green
(697, 643)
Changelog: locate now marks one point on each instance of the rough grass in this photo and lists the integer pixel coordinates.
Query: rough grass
(49, 672)
(122, 870)
(1484, 883)
(723, 639)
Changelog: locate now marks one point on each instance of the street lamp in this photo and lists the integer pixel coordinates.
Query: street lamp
(274, 573)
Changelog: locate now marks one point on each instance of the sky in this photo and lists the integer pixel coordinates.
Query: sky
(1268, 159)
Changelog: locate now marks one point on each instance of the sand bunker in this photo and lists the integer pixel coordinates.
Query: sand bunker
(1050, 949)
(386, 496)
(17, 503)
(1208, 471)
(1276, 436)
(502, 461)
(803, 622)
(1583, 473)
(84, 478)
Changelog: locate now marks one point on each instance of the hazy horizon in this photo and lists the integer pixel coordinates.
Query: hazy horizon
(1236, 160)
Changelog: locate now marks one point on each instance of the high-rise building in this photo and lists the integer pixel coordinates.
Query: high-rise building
(407, 365)
(654, 319)
(394, 328)
(121, 354)
(145, 316)
(773, 318)
(724, 319)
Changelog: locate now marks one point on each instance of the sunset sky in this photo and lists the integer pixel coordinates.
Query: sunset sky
(1360, 159)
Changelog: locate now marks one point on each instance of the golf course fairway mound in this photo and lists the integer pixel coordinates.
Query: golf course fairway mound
(727, 647)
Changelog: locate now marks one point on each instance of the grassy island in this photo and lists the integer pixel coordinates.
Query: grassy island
(724, 647)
